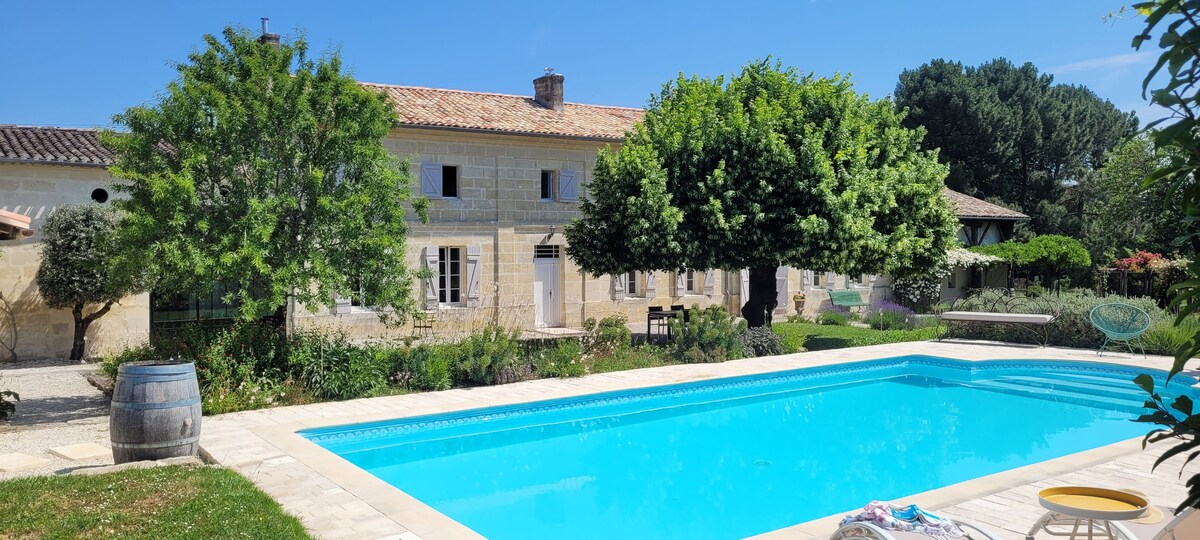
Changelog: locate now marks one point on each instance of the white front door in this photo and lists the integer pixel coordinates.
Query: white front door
(546, 296)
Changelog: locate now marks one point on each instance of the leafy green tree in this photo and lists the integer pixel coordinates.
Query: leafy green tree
(80, 266)
(767, 169)
(1123, 213)
(1049, 257)
(264, 168)
(1008, 131)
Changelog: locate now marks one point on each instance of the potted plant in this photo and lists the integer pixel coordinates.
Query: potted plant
(798, 298)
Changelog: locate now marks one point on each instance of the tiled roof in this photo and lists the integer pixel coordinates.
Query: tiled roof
(457, 109)
(966, 206)
(61, 146)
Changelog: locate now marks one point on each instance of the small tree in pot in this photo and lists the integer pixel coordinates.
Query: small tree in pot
(79, 266)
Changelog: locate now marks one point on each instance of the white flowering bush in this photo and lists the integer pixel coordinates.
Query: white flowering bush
(921, 292)
(965, 258)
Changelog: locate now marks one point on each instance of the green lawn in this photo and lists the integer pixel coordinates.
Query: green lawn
(163, 503)
(818, 337)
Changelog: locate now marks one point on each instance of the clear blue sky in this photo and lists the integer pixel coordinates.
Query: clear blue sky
(78, 63)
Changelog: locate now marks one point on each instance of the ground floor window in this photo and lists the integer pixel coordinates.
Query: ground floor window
(167, 308)
(449, 275)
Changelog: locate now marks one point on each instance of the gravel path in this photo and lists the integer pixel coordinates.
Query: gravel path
(58, 407)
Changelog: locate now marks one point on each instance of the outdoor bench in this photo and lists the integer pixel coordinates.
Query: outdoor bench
(847, 298)
(1001, 311)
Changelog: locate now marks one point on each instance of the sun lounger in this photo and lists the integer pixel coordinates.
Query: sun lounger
(882, 520)
(863, 530)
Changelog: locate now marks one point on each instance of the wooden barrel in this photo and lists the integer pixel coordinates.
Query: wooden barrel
(155, 411)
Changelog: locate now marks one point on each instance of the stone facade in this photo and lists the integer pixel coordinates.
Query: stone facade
(500, 212)
(35, 190)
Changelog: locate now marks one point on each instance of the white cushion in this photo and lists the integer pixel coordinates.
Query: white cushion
(979, 316)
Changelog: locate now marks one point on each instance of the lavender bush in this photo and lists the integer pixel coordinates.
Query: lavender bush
(888, 315)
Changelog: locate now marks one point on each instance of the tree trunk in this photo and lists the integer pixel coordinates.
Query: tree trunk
(763, 297)
(81, 326)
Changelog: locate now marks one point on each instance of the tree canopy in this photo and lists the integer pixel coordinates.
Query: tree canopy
(1008, 131)
(769, 168)
(1124, 214)
(263, 169)
(79, 266)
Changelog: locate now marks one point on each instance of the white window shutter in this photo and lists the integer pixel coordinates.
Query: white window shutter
(473, 276)
(710, 283)
(618, 286)
(430, 262)
(781, 288)
(341, 306)
(651, 285)
(744, 290)
(431, 179)
(680, 285)
(568, 186)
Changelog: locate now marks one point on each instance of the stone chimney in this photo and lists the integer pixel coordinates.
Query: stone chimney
(267, 37)
(548, 90)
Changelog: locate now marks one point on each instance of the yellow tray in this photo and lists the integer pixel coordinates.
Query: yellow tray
(1093, 503)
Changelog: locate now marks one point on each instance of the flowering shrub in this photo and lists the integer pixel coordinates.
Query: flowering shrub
(925, 291)
(965, 258)
(920, 292)
(885, 315)
(1140, 261)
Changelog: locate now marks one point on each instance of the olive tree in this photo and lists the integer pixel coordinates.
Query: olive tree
(766, 169)
(80, 266)
(263, 170)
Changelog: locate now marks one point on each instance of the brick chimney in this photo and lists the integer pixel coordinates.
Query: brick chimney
(267, 37)
(548, 91)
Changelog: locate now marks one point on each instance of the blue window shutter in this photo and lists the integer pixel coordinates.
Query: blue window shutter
(431, 180)
(568, 186)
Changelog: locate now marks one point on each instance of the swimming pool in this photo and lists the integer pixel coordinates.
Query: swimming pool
(734, 457)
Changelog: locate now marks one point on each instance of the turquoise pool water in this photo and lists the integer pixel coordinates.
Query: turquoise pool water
(736, 457)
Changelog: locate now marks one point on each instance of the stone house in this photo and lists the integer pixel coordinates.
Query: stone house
(504, 174)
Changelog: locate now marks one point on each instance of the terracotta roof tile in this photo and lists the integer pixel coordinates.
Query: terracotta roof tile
(52, 145)
(966, 206)
(457, 109)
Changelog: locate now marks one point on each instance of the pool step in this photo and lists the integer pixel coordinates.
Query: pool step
(1079, 398)
(1097, 380)
(1130, 392)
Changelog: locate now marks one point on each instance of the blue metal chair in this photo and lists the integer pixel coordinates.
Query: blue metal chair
(1119, 322)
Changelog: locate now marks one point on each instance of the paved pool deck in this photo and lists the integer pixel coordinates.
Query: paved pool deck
(336, 500)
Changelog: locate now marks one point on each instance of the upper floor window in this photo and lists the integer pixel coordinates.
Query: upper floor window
(449, 181)
(689, 282)
(549, 185)
(449, 275)
(631, 284)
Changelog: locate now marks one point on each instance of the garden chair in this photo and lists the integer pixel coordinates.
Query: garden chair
(1119, 322)
(1173, 527)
